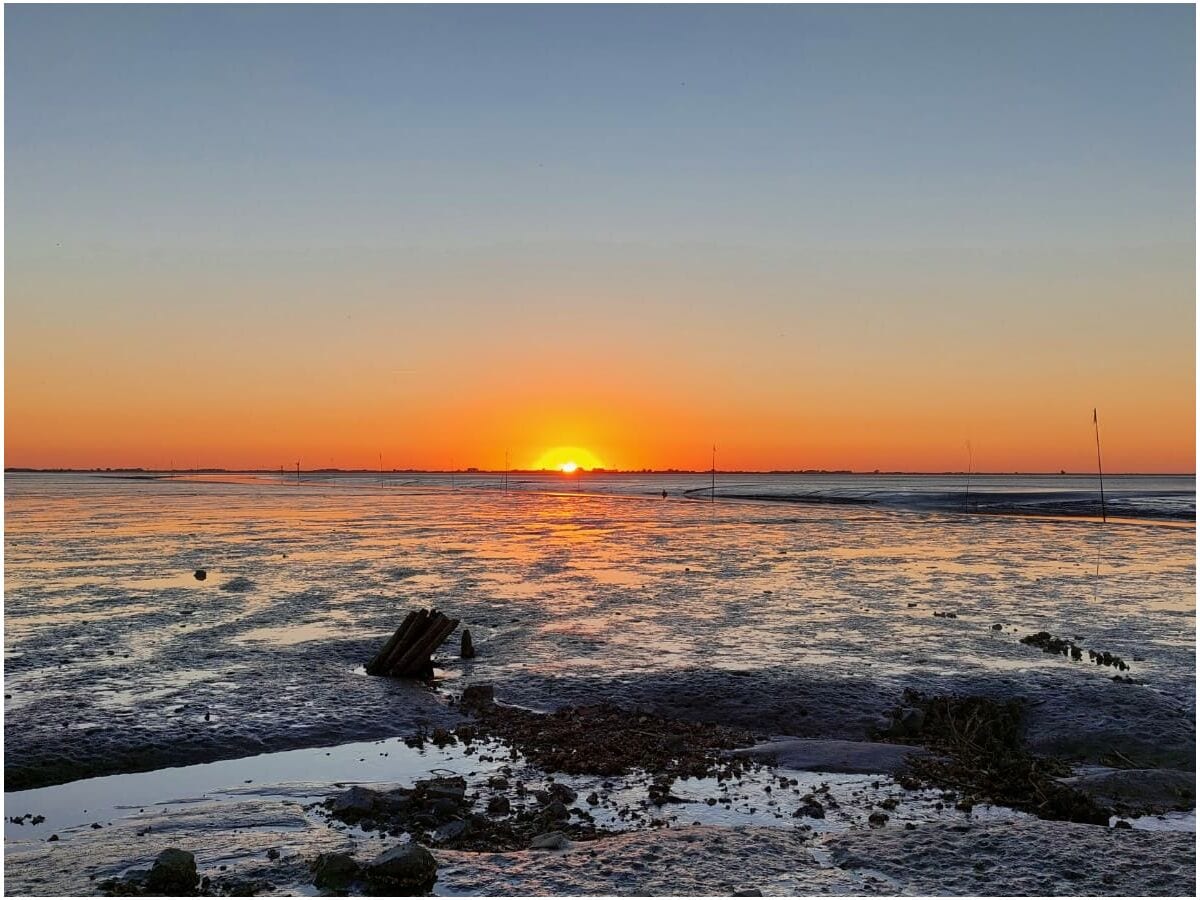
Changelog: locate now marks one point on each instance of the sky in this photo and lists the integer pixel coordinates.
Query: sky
(816, 237)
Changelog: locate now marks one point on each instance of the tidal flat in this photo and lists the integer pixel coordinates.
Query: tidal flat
(218, 715)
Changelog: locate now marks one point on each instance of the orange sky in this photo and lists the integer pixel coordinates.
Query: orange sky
(233, 386)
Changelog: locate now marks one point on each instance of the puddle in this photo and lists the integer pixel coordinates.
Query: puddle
(766, 796)
(295, 633)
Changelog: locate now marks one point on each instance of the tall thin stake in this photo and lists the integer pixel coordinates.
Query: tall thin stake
(506, 471)
(1099, 466)
(970, 465)
(297, 471)
(712, 489)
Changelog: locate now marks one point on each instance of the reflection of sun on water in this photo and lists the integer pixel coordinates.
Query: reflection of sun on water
(568, 460)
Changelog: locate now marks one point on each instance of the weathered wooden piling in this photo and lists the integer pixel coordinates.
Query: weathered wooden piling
(406, 654)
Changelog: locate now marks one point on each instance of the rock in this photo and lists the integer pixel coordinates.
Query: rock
(452, 788)
(272, 853)
(355, 803)
(477, 696)
(336, 871)
(561, 792)
(556, 811)
(499, 806)
(53, 837)
(877, 819)
(593, 799)
(997, 627)
(408, 870)
(467, 649)
(200, 574)
(450, 831)
(553, 840)
(1121, 823)
(811, 809)
(748, 892)
(442, 808)
(173, 873)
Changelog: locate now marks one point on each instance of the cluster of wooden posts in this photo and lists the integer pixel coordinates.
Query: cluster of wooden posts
(407, 652)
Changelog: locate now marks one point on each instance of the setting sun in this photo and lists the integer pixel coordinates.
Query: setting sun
(568, 460)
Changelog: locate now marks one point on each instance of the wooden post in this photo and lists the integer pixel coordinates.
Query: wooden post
(375, 666)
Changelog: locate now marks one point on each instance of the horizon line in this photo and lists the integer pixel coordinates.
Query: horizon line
(471, 470)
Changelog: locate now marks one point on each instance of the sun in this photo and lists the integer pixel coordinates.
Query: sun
(567, 460)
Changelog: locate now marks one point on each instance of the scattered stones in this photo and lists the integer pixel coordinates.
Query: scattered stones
(200, 574)
(945, 615)
(438, 811)
(1048, 643)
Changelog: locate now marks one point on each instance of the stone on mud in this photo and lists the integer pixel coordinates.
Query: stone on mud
(553, 840)
(173, 873)
(407, 870)
(335, 871)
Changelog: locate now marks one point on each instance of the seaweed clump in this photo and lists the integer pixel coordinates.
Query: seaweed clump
(979, 749)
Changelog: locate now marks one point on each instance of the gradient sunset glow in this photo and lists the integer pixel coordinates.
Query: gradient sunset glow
(839, 238)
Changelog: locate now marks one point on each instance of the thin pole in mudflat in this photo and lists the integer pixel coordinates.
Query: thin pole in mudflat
(1099, 466)
(712, 488)
(970, 465)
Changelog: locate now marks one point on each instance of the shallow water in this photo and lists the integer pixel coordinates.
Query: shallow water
(116, 657)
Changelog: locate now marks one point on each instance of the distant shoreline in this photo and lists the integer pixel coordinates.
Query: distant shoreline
(18, 470)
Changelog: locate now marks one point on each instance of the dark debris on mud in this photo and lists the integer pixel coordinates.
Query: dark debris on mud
(439, 812)
(979, 749)
(607, 740)
(1048, 643)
